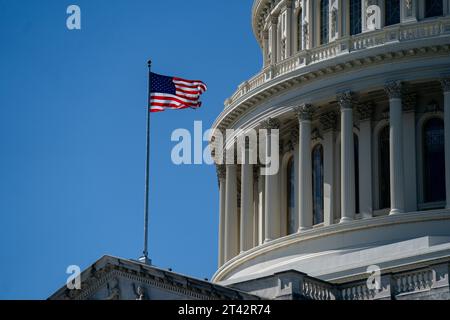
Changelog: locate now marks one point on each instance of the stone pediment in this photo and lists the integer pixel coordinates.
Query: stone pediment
(112, 278)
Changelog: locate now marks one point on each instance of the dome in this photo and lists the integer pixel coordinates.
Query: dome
(356, 95)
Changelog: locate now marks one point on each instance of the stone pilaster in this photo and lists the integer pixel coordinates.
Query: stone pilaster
(329, 123)
(247, 208)
(271, 216)
(409, 103)
(274, 39)
(365, 111)
(231, 213)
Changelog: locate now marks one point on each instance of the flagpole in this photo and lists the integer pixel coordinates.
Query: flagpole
(144, 258)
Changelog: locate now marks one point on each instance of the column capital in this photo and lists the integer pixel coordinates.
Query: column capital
(445, 83)
(270, 124)
(305, 112)
(365, 111)
(228, 153)
(329, 121)
(289, 4)
(274, 19)
(345, 100)
(393, 89)
(221, 171)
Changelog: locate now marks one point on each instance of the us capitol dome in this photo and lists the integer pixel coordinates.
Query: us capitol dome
(360, 93)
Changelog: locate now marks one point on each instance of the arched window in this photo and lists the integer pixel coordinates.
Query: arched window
(299, 30)
(384, 169)
(290, 197)
(355, 17)
(434, 8)
(317, 178)
(324, 21)
(392, 12)
(356, 156)
(434, 160)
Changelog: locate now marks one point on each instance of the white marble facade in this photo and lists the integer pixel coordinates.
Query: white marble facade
(364, 122)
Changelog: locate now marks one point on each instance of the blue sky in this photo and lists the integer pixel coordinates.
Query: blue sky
(72, 133)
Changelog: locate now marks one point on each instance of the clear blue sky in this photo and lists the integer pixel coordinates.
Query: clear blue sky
(72, 133)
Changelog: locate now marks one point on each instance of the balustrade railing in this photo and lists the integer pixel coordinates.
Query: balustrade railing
(413, 281)
(392, 34)
(316, 290)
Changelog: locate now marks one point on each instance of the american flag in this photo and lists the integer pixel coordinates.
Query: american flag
(174, 93)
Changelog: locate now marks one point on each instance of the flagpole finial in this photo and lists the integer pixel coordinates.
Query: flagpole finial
(149, 63)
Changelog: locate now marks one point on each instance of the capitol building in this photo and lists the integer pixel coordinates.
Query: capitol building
(358, 92)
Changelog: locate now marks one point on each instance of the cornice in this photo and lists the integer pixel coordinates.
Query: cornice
(109, 270)
(312, 73)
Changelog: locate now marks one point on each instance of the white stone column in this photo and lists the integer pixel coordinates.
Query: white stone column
(265, 36)
(446, 8)
(294, 138)
(409, 148)
(446, 88)
(289, 45)
(397, 178)
(261, 209)
(231, 213)
(335, 20)
(343, 18)
(305, 200)
(347, 158)
(328, 121)
(221, 173)
(309, 25)
(304, 26)
(255, 206)
(246, 238)
(274, 39)
(365, 160)
(272, 224)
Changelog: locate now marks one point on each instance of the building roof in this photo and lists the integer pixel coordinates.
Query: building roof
(117, 278)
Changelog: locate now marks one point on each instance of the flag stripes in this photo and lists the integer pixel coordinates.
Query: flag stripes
(174, 93)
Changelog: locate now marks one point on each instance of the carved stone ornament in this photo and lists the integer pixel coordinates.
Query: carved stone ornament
(270, 124)
(329, 121)
(114, 291)
(140, 293)
(345, 100)
(393, 89)
(305, 112)
(365, 111)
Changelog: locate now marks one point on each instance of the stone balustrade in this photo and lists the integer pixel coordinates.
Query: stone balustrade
(347, 45)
